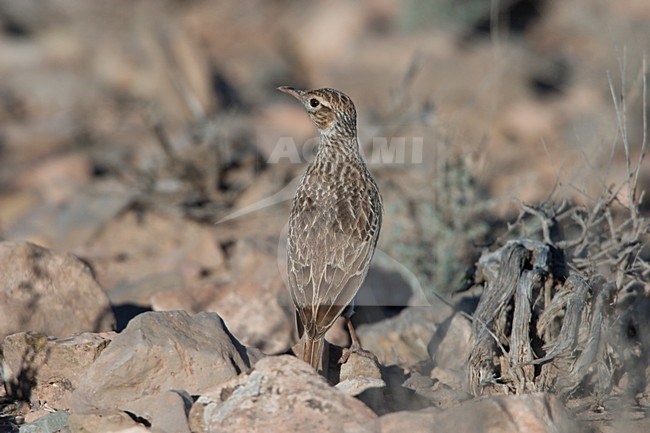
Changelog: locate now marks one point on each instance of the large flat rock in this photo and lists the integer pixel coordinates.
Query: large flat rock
(161, 351)
(530, 413)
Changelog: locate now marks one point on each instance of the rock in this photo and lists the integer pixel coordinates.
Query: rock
(35, 225)
(455, 379)
(170, 300)
(257, 304)
(392, 397)
(253, 300)
(41, 290)
(142, 291)
(144, 247)
(436, 392)
(403, 339)
(530, 413)
(281, 394)
(32, 17)
(89, 211)
(137, 429)
(115, 66)
(417, 381)
(70, 224)
(450, 345)
(449, 349)
(14, 206)
(443, 397)
(255, 314)
(628, 426)
(58, 177)
(103, 421)
(38, 368)
(359, 373)
(35, 412)
(359, 365)
(338, 333)
(357, 385)
(50, 423)
(160, 351)
(404, 421)
(166, 412)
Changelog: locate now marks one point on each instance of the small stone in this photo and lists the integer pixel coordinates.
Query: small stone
(49, 369)
(452, 378)
(438, 393)
(360, 365)
(417, 381)
(402, 340)
(50, 423)
(166, 411)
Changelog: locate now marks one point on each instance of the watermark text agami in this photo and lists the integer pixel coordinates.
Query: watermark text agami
(383, 150)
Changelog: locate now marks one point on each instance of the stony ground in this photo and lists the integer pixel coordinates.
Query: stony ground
(147, 163)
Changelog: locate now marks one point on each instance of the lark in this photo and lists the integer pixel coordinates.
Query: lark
(334, 222)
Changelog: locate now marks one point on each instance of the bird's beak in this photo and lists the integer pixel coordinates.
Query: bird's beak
(296, 93)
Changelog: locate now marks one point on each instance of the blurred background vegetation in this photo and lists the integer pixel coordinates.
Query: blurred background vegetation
(110, 111)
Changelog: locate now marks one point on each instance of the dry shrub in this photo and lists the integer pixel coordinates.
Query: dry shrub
(555, 310)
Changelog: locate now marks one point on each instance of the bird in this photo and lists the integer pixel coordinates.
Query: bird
(334, 224)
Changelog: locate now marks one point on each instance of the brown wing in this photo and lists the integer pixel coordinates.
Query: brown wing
(333, 230)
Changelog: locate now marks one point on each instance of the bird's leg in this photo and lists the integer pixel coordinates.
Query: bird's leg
(356, 344)
(355, 347)
(313, 352)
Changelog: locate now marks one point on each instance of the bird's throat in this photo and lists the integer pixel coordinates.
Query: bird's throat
(338, 148)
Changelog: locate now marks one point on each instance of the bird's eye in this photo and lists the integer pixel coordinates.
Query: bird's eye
(314, 102)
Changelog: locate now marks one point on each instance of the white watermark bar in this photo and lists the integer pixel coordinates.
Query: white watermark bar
(383, 151)
(397, 150)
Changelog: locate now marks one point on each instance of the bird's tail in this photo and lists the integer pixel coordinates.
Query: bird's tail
(313, 351)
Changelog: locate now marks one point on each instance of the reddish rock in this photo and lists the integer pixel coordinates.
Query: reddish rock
(168, 250)
(41, 290)
(281, 394)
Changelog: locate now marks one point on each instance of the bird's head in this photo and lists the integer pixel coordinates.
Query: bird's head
(332, 112)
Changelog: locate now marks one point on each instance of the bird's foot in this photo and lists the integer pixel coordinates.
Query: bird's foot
(357, 350)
